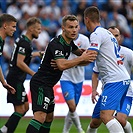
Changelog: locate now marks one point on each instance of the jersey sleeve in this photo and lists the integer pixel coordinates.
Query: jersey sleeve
(74, 47)
(57, 51)
(95, 41)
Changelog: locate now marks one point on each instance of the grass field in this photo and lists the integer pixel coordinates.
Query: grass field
(57, 125)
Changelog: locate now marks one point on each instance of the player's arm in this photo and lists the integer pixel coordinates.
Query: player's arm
(78, 52)
(38, 53)
(87, 63)
(95, 81)
(22, 65)
(4, 83)
(87, 56)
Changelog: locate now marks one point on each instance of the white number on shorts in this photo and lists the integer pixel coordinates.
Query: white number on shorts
(45, 106)
(104, 98)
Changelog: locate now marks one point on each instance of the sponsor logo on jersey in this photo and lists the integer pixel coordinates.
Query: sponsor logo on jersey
(94, 44)
(22, 50)
(59, 53)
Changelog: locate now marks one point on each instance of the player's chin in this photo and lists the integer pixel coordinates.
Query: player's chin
(35, 36)
(11, 34)
(73, 37)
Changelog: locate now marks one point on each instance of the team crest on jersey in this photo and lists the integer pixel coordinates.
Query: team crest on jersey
(59, 53)
(22, 50)
(120, 60)
(122, 57)
(94, 44)
(79, 44)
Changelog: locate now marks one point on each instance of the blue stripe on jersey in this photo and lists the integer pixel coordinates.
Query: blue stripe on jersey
(93, 49)
(97, 27)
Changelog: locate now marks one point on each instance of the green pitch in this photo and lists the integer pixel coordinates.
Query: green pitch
(57, 125)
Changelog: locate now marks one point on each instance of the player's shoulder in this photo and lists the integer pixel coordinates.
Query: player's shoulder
(22, 39)
(98, 31)
(56, 38)
(55, 42)
(123, 48)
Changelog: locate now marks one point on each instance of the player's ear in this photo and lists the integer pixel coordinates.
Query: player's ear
(63, 29)
(4, 25)
(30, 28)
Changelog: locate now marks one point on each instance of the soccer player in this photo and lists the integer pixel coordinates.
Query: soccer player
(71, 85)
(19, 68)
(113, 73)
(42, 83)
(7, 28)
(126, 106)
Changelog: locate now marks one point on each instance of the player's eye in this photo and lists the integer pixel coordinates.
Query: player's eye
(116, 35)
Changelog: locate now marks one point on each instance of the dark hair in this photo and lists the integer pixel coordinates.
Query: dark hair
(6, 18)
(32, 21)
(112, 27)
(92, 13)
(69, 17)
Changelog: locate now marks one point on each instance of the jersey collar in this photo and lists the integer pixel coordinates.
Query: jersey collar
(1, 39)
(62, 40)
(26, 38)
(96, 28)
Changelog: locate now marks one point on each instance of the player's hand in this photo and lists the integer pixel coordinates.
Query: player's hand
(93, 97)
(53, 64)
(9, 88)
(89, 56)
(82, 50)
(41, 54)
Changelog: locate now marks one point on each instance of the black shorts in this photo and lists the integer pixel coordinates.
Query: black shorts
(42, 98)
(20, 97)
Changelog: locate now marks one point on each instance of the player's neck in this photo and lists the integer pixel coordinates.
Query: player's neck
(68, 40)
(29, 36)
(94, 26)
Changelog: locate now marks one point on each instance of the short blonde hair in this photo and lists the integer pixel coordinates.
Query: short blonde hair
(70, 18)
(32, 21)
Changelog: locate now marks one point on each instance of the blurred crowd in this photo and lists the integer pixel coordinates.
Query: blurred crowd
(113, 13)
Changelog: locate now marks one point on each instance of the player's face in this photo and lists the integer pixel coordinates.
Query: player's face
(36, 30)
(70, 30)
(116, 33)
(10, 28)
